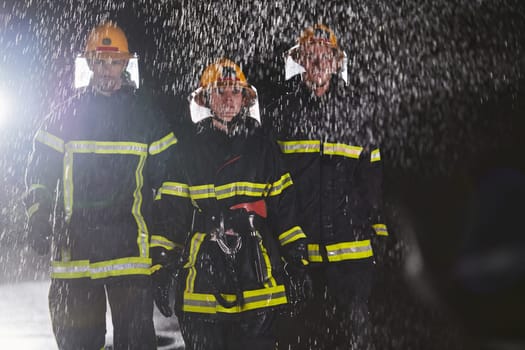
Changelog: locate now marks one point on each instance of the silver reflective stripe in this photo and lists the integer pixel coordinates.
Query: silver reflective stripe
(136, 210)
(162, 242)
(118, 267)
(341, 149)
(375, 156)
(349, 250)
(303, 146)
(162, 144)
(238, 189)
(206, 303)
(291, 235)
(107, 147)
(68, 184)
(341, 251)
(282, 184)
(50, 140)
(176, 189)
(247, 300)
(195, 244)
(70, 269)
(207, 192)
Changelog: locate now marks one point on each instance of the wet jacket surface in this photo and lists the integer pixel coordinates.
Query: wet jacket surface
(336, 167)
(95, 163)
(213, 173)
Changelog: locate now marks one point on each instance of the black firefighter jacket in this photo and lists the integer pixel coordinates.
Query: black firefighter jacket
(96, 161)
(336, 169)
(216, 172)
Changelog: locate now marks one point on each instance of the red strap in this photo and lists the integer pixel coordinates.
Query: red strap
(107, 48)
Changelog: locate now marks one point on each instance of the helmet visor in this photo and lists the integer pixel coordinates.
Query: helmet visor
(83, 73)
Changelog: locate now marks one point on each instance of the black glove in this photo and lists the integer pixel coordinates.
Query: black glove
(162, 279)
(39, 234)
(296, 254)
(300, 285)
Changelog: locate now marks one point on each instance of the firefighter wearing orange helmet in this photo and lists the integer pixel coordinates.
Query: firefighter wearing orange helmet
(231, 206)
(325, 137)
(96, 160)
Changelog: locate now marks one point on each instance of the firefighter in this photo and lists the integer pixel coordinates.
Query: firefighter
(230, 205)
(323, 135)
(91, 175)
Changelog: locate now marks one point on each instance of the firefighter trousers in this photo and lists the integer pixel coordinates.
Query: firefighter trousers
(78, 313)
(255, 332)
(337, 317)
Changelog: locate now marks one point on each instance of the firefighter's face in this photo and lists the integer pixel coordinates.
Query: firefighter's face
(319, 62)
(226, 102)
(107, 72)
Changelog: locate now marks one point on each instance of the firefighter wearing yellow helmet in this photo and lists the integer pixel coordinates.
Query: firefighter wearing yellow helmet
(225, 96)
(96, 160)
(106, 63)
(235, 208)
(326, 138)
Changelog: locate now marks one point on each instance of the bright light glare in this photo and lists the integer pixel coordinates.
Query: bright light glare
(4, 108)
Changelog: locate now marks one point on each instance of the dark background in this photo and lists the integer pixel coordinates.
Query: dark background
(445, 86)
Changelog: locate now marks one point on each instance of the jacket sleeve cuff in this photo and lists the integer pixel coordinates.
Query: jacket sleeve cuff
(291, 235)
(380, 229)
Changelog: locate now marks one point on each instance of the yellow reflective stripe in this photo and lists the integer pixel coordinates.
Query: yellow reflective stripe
(136, 210)
(85, 269)
(107, 147)
(50, 140)
(70, 269)
(253, 299)
(241, 189)
(380, 229)
(291, 235)
(314, 253)
(162, 144)
(35, 187)
(195, 245)
(349, 250)
(121, 267)
(155, 268)
(280, 185)
(32, 210)
(68, 184)
(202, 191)
(175, 189)
(341, 149)
(300, 146)
(270, 280)
(375, 156)
(161, 241)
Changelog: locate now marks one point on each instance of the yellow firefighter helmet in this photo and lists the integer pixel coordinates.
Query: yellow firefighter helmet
(319, 33)
(225, 72)
(108, 39)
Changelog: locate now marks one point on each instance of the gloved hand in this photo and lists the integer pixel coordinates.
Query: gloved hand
(296, 254)
(300, 285)
(39, 234)
(166, 263)
(162, 279)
